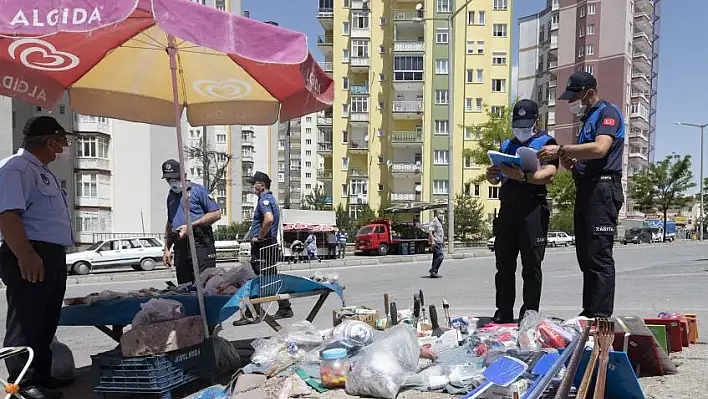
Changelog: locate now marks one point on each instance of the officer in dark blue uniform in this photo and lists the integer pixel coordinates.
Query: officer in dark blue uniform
(36, 226)
(265, 249)
(204, 212)
(596, 163)
(522, 224)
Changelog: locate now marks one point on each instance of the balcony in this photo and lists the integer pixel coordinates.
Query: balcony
(324, 149)
(413, 46)
(641, 62)
(247, 157)
(552, 83)
(643, 22)
(554, 42)
(325, 43)
(324, 175)
(358, 118)
(552, 64)
(360, 33)
(555, 5)
(406, 168)
(359, 89)
(405, 197)
(641, 40)
(359, 4)
(354, 172)
(638, 155)
(247, 141)
(405, 16)
(92, 163)
(358, 146)
(407, 137)
(640, 82)
(93, 202)
(359, 64)
(324, 121)
(358, 199)
(643, 95)
(84, 123)
(408, 109)
(646, 6)
(639, 134)
(326, 66)
(554, 25)
(326, 17)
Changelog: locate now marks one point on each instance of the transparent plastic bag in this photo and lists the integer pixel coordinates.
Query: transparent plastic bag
(383, 366)
(528, 331)
(355, 330)
(157, 310)
(63, 365)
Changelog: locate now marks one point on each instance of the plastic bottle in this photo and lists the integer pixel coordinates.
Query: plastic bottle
(334, 368)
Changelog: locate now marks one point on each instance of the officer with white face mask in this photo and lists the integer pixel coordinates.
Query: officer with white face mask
(522, 223)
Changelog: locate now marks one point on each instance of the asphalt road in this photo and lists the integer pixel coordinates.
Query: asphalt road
(650, 279)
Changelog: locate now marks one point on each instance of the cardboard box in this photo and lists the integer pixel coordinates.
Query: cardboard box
(645, 354)
(163, 337)
(360, 313)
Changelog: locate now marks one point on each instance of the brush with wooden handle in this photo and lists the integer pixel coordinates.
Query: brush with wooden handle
(446, 310)
(567, 382)
(607, 337)
(590, 368)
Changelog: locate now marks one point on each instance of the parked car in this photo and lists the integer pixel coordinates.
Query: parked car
(141, 253)
(638, 235)
(490, 243)
(559, 238)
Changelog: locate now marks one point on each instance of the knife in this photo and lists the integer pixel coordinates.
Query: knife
(394, 314)
(422, 306)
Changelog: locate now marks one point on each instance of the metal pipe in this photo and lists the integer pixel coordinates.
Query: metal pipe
(451, 134)
(701, 188)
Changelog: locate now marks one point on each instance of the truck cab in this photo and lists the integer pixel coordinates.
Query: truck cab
(382, 237)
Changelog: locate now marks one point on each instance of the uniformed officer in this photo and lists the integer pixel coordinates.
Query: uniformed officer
(596, 163)
(204, 212)
(522, 223)
(36, 226)
(265, 251)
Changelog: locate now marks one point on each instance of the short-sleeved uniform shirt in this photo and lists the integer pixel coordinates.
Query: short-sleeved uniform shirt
(603, 119)
(436, 228)
(514, 190)
(266, 203)
(200, 203)
(29, 187)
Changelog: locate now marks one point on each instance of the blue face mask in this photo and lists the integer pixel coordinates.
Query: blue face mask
(176, 187)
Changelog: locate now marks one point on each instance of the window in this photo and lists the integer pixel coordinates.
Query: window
(221, 138)
(308, 153)
(345, 110)
(308, 130)
(62, 110)
(499, 58)
(470, 76)
(360, 104)
(500, 4)
(92, 147)
(480, 46)
(440, 157)
(589, 69)
(345, 55)
(497, 110)
(92, 222)
(467, 161)
(345, 28)
(441, 36)
(581, 31)
(582, 11)
(195, 133)
(478, 105)
(439, 187)
(308, 142)
(408, 68)
(498, 85)
(591, 9)
(581, 52)
(346, 3)
(360, 20)
(442, 127)
(308, 164)
(475, 190)
(443, 6)
(591, 30)
(87, 185)
(482, 18)
(469, 104)
(480, 76)
(441, 96)
(345, 83)
(590, 50)
(470, 18)
(345, 189)
(358, 186)
(308, 119)
(470, 47)
(360, 48)
(493, 192)
(441, 66)
(345, 163)
(499, 30)
(308, 175)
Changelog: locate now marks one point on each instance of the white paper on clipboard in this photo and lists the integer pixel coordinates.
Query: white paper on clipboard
(529, 159)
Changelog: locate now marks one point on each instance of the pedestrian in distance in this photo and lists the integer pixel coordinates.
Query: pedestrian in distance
(436, 239)
(522, 222)
(342, 239)
(596, 163)
(204, 212)
(265, 248)
(311, 244)
(36, 227)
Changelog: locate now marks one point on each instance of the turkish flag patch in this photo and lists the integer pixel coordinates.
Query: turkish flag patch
(608, 122)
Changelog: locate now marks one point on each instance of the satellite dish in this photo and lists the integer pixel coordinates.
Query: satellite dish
(418, 188)
(389, 162)
(418, 6)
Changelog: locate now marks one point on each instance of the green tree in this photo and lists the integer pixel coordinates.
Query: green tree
(233, 231)
(563, 221)
(317, 200)
(491, 134)
(215, 165)
(366, 216)
(470, 222)
(662, 185)
(344, 221)
(562, 191)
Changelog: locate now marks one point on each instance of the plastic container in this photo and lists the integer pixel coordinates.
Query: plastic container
(334, 368)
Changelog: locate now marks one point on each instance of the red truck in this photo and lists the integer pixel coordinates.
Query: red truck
(382, 237)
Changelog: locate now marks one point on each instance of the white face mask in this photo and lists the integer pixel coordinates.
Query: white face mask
(64, 155)
(523, 134)
(176, 187)
(577, 107)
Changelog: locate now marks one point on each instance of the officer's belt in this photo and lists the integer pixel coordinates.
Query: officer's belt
(615, 178)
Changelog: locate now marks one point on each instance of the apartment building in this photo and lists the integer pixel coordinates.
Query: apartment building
(615, 40)
(259, 152)
(386, 138)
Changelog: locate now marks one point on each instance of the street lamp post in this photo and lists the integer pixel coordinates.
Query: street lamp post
(451, 120)
(700, 183)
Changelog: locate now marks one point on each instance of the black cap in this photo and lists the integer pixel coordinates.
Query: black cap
(259, 176)
(170, 169)
(43, 126)
(578, 82)
(525, 114)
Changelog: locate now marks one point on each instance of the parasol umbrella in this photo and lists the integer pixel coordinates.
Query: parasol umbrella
(151, 60)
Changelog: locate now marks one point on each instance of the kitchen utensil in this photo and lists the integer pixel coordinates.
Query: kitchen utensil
(569, 377)
(606, 337)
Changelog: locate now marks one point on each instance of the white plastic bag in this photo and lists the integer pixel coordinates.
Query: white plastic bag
(63, 365)
(355, 330)
(157, 310)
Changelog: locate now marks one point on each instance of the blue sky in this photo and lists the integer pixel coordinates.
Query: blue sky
(683, 84)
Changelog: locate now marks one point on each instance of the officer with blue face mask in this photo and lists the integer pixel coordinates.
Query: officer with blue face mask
(36, 226)
(596, 163)
(204, 212)
(522, 223)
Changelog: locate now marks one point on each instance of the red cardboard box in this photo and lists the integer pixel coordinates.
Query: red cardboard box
(645, 355)
(673, 329)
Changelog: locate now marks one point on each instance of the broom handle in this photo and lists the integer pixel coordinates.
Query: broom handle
(567, 382)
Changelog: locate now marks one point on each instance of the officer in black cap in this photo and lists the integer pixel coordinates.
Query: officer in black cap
(265, 249)
(204, 212)
(522, 224)
(596, 163)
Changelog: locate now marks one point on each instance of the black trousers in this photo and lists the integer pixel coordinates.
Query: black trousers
(597, 205)
(206, 254)
(33, 309)
(265, 256)
(521, 227)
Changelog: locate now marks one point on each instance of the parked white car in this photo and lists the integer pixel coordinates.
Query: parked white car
(142, 253)
(559, 239)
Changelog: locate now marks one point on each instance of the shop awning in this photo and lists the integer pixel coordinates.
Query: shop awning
(415, 207)
(310, 228)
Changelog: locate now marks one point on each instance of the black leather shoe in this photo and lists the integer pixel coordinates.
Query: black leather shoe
(56, 383)
(503, 317)
(40, 393)
(283, 314)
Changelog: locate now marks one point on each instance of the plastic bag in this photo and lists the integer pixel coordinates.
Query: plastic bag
(63, 365)
(207, 274)
(304, 334)
(355, 330)
(213, 285)
(238, 275)
(275, 354)
(384, 365)
(551, 335)
(215, 392)
(157, 310)
(225, 354)
(528, 333)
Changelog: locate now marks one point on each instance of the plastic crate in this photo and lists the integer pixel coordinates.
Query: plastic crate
(112, 372)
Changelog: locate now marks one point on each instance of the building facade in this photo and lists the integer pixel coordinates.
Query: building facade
(615, 40)
(386, 138)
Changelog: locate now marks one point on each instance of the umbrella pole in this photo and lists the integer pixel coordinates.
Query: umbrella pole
(172, 51)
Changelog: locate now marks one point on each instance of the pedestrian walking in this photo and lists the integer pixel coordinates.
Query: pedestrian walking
(596, 163)
(522, 222)
(311, 243)
(265, 251)
(36, 228)
(436, 239)
(332, 245)
(342, 239)
(204, 212)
